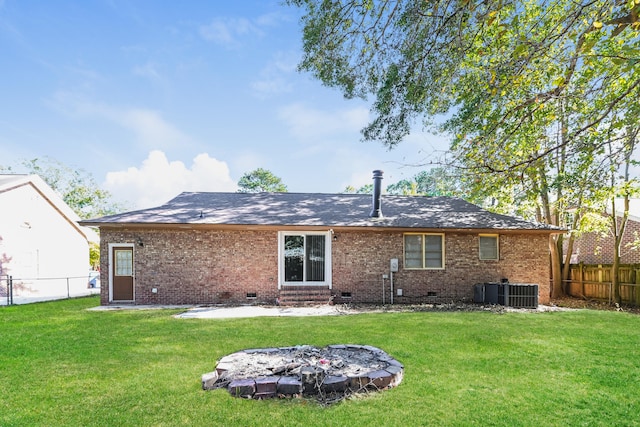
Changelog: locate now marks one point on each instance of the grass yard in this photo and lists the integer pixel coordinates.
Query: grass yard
(63, 365)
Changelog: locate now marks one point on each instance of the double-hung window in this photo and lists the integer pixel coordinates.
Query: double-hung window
(304, 258)
(489, 249)
(424, 251)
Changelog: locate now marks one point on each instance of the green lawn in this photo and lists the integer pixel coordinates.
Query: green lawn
(63, 365)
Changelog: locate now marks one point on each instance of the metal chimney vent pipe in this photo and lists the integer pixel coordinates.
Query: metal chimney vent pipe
(376, 212)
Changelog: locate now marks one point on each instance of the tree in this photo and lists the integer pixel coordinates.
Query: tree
(422, 58)
(261, 180)
(532, 91)
(623, 188)
(438, 181)
(76, 187)
(365, 189)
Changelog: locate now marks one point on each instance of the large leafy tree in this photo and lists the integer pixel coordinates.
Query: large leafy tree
(261, 180)
(533, 93)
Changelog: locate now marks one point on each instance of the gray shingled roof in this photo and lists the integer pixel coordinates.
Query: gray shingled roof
(330, 210)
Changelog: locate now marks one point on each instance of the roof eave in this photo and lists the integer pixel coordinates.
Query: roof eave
(320, 227)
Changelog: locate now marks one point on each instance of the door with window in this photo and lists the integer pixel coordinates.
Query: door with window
(305, 259)
(122, 273)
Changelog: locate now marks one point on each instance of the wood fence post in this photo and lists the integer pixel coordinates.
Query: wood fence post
(637, 282)
(581, 279)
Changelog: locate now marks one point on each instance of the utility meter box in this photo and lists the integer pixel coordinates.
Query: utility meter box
(394, 265)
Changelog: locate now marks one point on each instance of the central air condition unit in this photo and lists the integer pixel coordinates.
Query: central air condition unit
(518, 295)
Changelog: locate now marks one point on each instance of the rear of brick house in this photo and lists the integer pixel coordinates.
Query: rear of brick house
(235, 248)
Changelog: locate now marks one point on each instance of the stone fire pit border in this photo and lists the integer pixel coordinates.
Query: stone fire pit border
(310, 381)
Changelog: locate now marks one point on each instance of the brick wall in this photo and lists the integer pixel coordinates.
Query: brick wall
(597, 248)
(218, 267)
(360, 260)
(198, 266)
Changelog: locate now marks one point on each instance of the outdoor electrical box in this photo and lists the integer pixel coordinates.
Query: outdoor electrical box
(394, 265)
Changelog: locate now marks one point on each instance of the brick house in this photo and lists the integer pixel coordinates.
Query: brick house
(597, 248)
(235, 248)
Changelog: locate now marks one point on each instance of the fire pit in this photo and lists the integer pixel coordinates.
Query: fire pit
(330, 374)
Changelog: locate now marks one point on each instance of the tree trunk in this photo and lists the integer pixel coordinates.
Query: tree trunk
(566, 265)
(556, 270)
(615, 279)
(618, 236)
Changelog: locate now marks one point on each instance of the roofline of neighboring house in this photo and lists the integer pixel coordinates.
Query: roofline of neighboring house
(619, 214)
(278, 227)
(56, 202)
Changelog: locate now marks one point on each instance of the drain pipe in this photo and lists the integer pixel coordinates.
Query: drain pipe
(384, 276)
(393, 268)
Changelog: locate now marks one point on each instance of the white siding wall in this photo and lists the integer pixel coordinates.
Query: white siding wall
(39, 242)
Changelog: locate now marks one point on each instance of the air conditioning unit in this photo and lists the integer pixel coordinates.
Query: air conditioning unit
(518, 295)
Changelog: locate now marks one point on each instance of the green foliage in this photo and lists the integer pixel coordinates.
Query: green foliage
(94, 254)
(494, 62)
(76, 187)
(437, 181)
(529, 87)
(365, 189)
(261, 180)
(123, 367)
(540, 98)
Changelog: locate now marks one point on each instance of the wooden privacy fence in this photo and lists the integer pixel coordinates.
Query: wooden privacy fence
(594, 281)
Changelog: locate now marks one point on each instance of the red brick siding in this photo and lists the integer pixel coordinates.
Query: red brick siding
(198, 266)
(360, 260)
(213, 266)
(596, 248)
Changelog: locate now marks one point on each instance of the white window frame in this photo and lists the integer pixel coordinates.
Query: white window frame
(327, 258)
(480, 254)
(424, 240)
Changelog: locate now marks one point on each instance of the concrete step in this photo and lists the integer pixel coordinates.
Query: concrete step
(304, 295)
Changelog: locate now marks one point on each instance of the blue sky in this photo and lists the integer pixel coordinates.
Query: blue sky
(158, 97)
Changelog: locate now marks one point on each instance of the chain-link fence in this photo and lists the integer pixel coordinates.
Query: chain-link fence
(16, 290)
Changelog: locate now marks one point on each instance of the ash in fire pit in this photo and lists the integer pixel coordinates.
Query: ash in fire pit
(330, 373)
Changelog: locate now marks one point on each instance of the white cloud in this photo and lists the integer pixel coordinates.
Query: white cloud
(228, 31)
(158, 180)
(272, 19)
(275, 78)
(149, 71)
(307, 123)
(148, 126)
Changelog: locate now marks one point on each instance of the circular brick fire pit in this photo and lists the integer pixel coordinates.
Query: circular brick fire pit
(330, 374)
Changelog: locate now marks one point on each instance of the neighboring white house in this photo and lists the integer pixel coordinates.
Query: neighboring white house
(42, 247)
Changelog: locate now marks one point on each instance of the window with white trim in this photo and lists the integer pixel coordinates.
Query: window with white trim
(304, 258)
(424, 251)
(488, 247)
